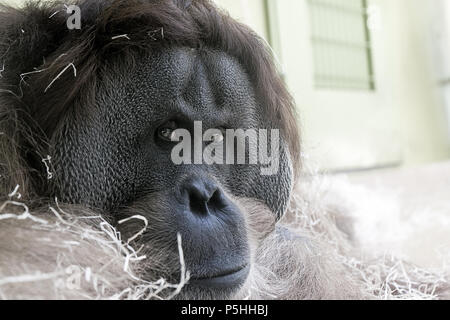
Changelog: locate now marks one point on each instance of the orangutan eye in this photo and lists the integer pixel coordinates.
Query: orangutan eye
(166, 132)
(217, 137)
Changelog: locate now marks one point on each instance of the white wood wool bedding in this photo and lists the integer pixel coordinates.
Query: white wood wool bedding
(76, 254)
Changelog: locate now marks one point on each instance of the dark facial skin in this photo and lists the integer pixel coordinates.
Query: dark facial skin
(114, 160)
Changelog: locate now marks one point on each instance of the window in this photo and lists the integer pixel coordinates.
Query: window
(341, 44)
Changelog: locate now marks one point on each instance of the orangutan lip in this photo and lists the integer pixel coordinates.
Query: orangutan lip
(231, 278)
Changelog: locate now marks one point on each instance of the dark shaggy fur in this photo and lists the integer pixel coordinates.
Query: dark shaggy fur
(29, 116)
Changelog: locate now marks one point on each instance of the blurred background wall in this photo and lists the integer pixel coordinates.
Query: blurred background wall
(371, 77)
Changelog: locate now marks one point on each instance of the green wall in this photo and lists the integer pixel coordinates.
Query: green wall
(402, 122)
